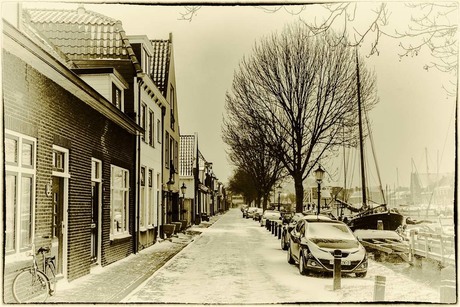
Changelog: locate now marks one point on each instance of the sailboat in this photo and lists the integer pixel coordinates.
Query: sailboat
(369, 217)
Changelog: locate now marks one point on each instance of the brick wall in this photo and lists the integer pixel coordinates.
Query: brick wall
(36, 106)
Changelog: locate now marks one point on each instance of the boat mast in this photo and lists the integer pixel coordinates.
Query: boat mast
(361, 149)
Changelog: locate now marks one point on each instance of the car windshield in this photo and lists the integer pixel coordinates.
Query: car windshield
(329, 235)
(329, 231)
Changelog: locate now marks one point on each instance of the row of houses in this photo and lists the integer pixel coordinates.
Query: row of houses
(95, 164)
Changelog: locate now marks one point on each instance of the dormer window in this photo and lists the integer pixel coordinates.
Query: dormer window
(116, 96)
(145, 61)
(107, 81)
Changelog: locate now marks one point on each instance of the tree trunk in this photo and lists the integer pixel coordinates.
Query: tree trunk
(298, 184)
(264, 204)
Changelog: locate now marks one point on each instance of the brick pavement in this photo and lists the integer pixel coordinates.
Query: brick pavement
(112, 283)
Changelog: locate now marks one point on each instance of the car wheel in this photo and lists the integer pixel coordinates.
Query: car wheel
(290, 260)
(361, 275)
(302, 263)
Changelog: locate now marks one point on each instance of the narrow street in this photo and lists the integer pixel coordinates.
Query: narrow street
(238, 262)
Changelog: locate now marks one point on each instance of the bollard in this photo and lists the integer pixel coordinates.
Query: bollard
(379, 225)
(267, 224)
(337, 269)
(279, 232)
(379, 288)
(273, 226)
(447, 290)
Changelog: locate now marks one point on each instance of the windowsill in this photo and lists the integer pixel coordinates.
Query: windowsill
(142, 229)
(18, 257)
(150, 227)
(119, 237)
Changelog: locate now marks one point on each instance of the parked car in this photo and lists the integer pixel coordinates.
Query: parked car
(313, 242)
(244, 210)
(258, 214)
(287, 228)
(270, 215)
(250, 212)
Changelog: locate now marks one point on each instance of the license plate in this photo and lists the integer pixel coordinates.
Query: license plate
(344, 262)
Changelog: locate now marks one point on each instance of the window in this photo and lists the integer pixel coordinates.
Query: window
(176, 155)
(116, 96)
(96, 170)
(151, 128)
(58, 161)
(119, 201)
(172, 100)
(11, 150)
(150, 213)
(159, 131)
(167, 157)
(142, 119)
(145, 61)
(142, 200)
(19, 191)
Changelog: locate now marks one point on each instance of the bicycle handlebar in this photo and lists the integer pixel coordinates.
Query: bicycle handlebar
(43, 250)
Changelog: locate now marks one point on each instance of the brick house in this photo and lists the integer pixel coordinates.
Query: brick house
(94, 42)
(70, 160)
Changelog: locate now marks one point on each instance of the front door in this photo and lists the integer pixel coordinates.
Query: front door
(58, 218)
(95, 221)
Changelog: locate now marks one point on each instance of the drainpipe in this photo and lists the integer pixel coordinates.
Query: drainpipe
(137, 81)
(161, 218)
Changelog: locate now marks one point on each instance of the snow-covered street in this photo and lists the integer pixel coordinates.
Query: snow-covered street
(238, 262)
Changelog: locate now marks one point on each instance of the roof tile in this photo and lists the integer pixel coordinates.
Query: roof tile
(80, 34)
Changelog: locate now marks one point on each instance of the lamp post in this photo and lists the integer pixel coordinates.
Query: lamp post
(279, 204)
(183, 188)
(319, 174)
(170, 184)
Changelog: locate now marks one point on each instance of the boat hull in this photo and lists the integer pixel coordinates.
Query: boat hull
(390, 220)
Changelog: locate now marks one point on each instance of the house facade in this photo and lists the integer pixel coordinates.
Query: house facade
(163, 75)
(149, 105)
(187, 170)
(69, 161)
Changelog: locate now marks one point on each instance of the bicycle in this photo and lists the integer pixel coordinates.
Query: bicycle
(34, 285)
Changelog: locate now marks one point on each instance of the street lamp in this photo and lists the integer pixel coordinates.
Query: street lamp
(183, 188)
(170, 184)
(279, 195)
(319, 175)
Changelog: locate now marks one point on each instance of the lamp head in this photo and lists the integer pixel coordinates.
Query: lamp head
(319, 174)
(183, 188)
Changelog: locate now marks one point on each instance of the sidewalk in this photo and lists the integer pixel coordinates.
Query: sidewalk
(112, 283)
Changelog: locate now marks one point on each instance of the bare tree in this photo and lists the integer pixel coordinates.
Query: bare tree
(248, 152)
(300, 92)
(430, 25)
(242, 183)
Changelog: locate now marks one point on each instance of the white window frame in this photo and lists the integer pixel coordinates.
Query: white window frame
(115, 81)
(20, 171)
(125, 189)
(151, 198)
(66, 175)
(143, 121)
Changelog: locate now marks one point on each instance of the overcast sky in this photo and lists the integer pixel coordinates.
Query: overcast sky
(414, 112)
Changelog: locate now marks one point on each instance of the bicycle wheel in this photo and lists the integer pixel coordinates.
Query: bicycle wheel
(51, 274)
(30, 287)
